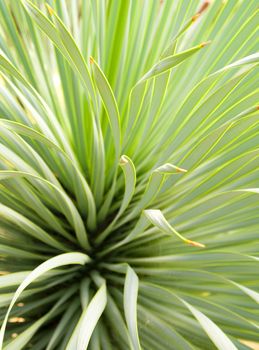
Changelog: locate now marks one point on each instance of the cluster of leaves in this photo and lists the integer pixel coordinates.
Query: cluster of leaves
(129, 175)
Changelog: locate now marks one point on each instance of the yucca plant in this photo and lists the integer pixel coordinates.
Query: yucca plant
(129, 200)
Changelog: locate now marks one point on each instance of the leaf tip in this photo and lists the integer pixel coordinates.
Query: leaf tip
(195, 17)
(50, 9)
(204, 6)
(202, 9)
(205, 43)
(180, 170)
(195, 244)
(123, 160)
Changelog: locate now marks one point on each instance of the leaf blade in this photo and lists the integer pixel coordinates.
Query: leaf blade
(57, 261)
(130, 306)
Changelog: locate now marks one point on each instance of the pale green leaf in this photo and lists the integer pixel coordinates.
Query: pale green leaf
(171, 61)
(109, 103)
(57, 261)
(130, 306)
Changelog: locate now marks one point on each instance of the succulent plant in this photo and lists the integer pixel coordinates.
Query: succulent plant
(129, 171)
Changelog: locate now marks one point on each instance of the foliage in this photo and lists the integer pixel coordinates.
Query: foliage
(129, 174)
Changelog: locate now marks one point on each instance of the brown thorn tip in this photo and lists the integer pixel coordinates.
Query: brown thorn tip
(50, 9)
(181, 170)
(195, 17)
(204, 6)
(257, 107)
(205, 43)
(195, 244)
(91, 60)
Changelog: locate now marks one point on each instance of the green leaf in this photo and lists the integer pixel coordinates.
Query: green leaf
(29, 227)
(63, 41)
(91, 316)
(154, 185)
(88, 320)
(109, 103)
(130, 306)
(57, 261)
(82, 189)
(171, 61)
(23, 338)
(218, 337)
(129, 173)
(156, 217)
(63, 324)
(67, 205)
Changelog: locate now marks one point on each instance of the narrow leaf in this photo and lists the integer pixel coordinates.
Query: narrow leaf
(153, 187)
(57, 261)
(171, 61)
(63, 41)
(157, 218)
(129, 172)
(130, 306)
(91, 317)
(218, 337)
(109, 103)
(82, 333)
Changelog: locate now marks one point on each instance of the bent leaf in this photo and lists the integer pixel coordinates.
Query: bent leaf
(171, 62)
(57, 261)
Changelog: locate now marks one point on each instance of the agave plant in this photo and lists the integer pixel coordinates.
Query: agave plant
(129, 175)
